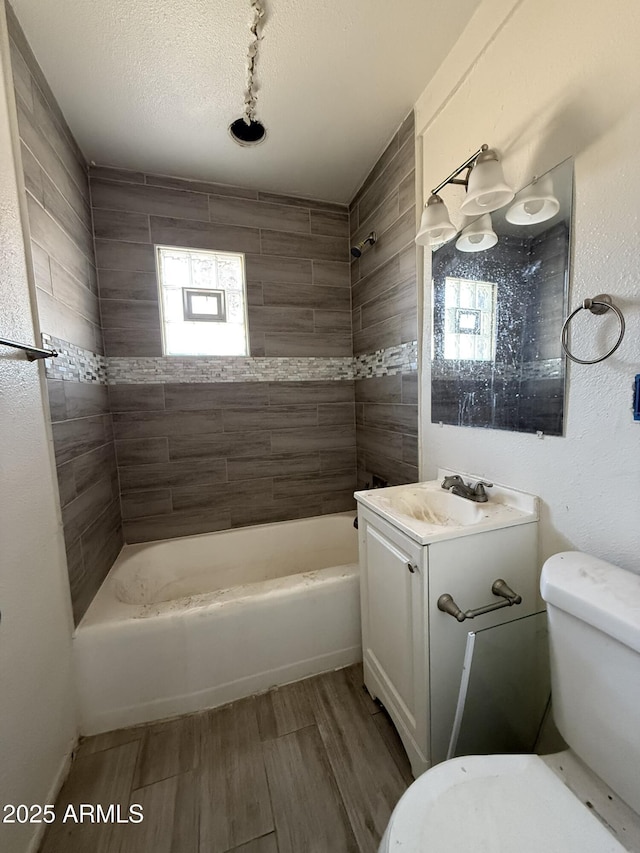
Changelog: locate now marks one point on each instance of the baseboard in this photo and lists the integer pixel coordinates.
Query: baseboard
(52, 796)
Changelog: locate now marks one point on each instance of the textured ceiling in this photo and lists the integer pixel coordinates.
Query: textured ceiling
(153, 84)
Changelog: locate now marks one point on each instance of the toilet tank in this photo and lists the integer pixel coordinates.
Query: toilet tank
(594, 634)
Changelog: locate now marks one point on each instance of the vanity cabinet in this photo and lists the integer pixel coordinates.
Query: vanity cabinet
(394, 627)
(413, 653)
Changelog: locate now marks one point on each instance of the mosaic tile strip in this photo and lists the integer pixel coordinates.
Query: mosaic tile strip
(387, 362)
(78, 365)
(74, 363)
(227, 369)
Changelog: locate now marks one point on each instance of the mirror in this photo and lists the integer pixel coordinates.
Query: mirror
(496, 358)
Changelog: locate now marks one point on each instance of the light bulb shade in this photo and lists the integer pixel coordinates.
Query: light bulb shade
(477, 237)
(486, 190)
(536, 203)
(435, 225)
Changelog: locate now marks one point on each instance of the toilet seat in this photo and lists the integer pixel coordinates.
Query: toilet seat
(494, 804)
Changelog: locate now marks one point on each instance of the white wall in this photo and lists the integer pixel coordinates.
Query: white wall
(37, 713)
(540, 81)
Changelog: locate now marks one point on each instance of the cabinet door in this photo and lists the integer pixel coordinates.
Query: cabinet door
(466, 568)
(394, 648)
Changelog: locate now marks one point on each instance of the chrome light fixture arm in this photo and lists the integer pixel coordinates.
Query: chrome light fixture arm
(486, 191)
(453, 177)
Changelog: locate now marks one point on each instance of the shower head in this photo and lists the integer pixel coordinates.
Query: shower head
(357, 250)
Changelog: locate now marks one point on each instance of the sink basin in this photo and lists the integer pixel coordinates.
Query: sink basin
(427, 513)
(441, 508)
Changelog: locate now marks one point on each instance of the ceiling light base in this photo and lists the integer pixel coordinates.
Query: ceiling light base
(247, 135)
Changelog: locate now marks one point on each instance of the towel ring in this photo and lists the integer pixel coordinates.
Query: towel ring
(598, 305)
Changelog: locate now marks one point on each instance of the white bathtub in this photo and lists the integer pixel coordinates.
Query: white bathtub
(196, 622)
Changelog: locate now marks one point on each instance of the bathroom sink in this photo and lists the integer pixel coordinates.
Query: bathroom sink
(428, 513)
(440, 508)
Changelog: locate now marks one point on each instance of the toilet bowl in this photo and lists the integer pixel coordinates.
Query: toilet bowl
(517, 803)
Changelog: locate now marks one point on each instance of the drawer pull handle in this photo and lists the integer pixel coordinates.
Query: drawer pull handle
(412, 568)
(498, 587)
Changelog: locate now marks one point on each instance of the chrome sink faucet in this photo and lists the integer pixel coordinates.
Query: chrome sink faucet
(456, 485)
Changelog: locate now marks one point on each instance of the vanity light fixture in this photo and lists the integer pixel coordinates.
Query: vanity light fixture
(486, 191)
(435, 226)
(477, 237)
(486, 186)
(536, 203)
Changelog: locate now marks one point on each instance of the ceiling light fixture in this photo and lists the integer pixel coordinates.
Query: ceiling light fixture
(536, 203)
(486, 191)
(248, 130)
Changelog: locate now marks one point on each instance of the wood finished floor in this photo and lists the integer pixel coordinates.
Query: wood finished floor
(313, 767)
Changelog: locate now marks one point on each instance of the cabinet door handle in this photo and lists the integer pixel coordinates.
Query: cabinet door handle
(412, 567)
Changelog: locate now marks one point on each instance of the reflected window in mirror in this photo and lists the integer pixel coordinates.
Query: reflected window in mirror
(497, 316)
(469, 316)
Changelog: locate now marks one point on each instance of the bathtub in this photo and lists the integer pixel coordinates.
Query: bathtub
(192, 623)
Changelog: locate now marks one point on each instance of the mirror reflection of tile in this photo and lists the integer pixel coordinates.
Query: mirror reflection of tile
(497, 316)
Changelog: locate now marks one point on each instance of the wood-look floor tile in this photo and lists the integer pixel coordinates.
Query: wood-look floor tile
(356, 676)
(392, 739)
(309, 813)
(367, 776)
(266, 844)
(103, 778)
(170, 824)
(203, 785)
(284, 710)
(107, 740)
(234, 805)
(168, 749)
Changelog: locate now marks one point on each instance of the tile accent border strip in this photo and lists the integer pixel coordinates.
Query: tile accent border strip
(74, 363)
(78, 365)
(386, 362)
(202, 368)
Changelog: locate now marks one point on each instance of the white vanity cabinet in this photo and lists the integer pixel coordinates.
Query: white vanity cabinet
(394, 629)
(413, 652)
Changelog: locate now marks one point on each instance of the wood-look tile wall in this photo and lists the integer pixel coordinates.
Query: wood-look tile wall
(59, 215)
(199, 457)
(194, 458)
(297, 253)
(387, 428)
(88, 484)
(58, 205)
(385, 311)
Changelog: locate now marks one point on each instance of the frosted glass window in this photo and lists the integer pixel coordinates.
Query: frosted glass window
(203, 302)
(469, 320)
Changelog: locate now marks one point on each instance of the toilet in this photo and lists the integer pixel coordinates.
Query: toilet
(517, 803)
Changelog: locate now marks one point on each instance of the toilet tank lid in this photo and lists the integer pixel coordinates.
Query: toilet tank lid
(599, 593)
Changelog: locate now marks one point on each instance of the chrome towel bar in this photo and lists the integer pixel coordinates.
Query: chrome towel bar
(498, 587)
(33, 353)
